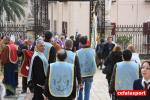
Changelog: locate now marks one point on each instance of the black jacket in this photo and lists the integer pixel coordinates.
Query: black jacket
(138, 86)
(111, 60)
(108, 48)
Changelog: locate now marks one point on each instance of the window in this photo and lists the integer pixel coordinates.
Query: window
(64, 28)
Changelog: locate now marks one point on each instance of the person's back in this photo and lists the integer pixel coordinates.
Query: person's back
(100, 50)
(124, 74)
(88, 66)
(127, 72)
(108, 46)
(135, 56)
(86, 61)
(114, 57)
(50, 51)
(61, 86)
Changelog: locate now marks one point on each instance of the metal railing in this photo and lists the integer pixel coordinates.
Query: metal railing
(138, 38)
(12, 29)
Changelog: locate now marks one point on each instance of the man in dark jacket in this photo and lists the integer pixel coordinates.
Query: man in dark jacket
(38, 70)
(99, 53)
(108, 47)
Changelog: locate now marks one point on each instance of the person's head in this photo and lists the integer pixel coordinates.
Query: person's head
(78, 37)
(68, 44)
(86, 37)
(117, 49)
(6, 40)
(62, 38)
(109, 39)
(56, 37)
(131, 48)
(102, 40)
(145, 70)
(25, 42)
(83, 40)
(40, 45)
(47, 36)
(72, 37)
(127, 54)
(30, 41)
(61, 55)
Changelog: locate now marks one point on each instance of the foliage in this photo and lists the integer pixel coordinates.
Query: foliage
(12, 8)
(124, 40)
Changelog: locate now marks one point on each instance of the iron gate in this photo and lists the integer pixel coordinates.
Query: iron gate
(13, 29)
(139, 38)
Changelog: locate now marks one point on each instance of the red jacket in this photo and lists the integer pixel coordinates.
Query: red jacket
(27, 55)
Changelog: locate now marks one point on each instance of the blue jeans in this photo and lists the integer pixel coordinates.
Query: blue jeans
(87, 84)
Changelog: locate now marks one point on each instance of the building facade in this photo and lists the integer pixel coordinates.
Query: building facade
(130, 12)
(69, 18)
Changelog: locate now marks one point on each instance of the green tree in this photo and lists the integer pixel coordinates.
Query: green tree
(12, 8)
(124, 40)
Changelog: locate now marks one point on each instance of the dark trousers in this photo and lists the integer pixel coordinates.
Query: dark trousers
(10, 78)
(38, 93)
(99, 62)
(16, 77)
(125, 98)
(24, 84)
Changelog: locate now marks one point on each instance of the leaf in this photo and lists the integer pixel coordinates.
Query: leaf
(12, 8)
(125, 40)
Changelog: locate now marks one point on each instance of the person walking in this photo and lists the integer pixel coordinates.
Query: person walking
(114, 57)
(86, 56)
(50, 51)
(100, 53)
(108, 46)
(124, 74)
(73, 59)
(61, 80)
(9, 60)
(135, 56)
(38, 71)
(26, 55)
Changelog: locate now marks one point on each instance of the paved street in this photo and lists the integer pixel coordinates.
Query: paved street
(99, 89)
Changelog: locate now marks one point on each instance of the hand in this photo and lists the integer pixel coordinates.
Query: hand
(45, 98)
(27, 67)
(81, 86)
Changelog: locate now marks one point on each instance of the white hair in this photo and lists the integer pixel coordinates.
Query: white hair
(39, 41)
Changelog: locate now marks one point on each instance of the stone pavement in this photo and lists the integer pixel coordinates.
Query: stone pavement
(99, 89)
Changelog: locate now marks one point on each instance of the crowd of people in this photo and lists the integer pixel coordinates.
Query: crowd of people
(123, 69)
(63, 68)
